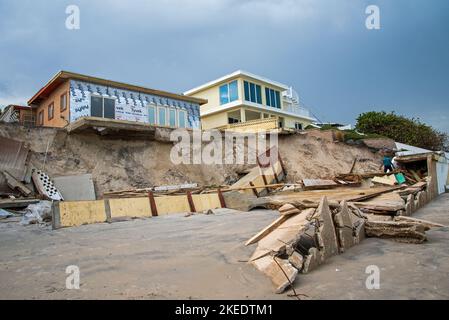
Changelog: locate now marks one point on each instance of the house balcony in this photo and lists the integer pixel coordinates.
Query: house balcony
(296, 109)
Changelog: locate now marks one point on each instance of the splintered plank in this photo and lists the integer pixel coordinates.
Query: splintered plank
(310, 184)
(262, 233)
(387, 202)
(286, 233)
(409, 232)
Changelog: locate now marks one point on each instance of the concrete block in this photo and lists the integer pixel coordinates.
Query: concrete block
(326, 235)
(76, 188)
(312, 260)
(296, 260)
(344, 227)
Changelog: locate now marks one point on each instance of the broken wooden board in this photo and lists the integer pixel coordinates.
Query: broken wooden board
(286, 233)
(312, 198)
(276, 202)
(280, 271)
(14, 156)
(427, 223)
(288, 209)
(387, 180)
(387, 203)
(15, 184)
(17, 203)
(262, 233)
(415, 175)
(313, 184)
(409, 232)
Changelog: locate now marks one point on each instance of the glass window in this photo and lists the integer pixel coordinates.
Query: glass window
(273, 99)
(51, 111)
(172, 118)
(258, 94)
(267, 96)
(278, 99)
(252, 90)
(96, 106)
(152, 115)
(246, 89)
(41, 118)
(162, 117)
(109, 108)
(63, 102)
(182, 119)
(233, 91)
(224, 94)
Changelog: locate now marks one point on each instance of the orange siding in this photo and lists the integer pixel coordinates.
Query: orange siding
(55, 97)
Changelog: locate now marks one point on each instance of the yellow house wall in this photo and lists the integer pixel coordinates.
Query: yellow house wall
(214, 121)
(213, 98)
(290, 122)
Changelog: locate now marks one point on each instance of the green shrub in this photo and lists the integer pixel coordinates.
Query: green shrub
(401, 129)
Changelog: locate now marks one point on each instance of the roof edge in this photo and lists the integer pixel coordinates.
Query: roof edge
(77, 76)
(231, 76)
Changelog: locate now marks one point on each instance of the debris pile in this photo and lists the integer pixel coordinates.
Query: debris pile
(317, 224)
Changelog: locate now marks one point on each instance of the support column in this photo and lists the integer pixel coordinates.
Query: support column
(242, 115)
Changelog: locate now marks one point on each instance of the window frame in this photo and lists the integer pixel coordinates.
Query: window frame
(228, 92)
(61, 109)
(102, 104)
(40, 118)
(169, 117)
(185, 118)
(248, 92)
(158, 117)
(52, 105)
(273, 98)
(154, 108)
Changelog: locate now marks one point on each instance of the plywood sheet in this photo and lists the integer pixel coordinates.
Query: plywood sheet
(131, 207)
(172, 204)
(206, 201)
(77, 213)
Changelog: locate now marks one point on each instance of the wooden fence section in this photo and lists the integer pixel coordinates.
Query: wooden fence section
(77, 213)
(270, 170)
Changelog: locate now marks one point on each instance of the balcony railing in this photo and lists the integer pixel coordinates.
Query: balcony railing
(295, 109)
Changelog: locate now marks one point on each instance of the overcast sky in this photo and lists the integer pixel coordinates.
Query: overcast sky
(320, 47)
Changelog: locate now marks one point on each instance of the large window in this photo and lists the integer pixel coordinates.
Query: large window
(253, 92)
(102, 107)
(273, 98)
(229, 92)
(51, 111)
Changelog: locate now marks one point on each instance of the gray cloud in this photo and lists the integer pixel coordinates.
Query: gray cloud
(320, 47)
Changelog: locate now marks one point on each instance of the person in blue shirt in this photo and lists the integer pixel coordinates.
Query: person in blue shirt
(388, 163)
